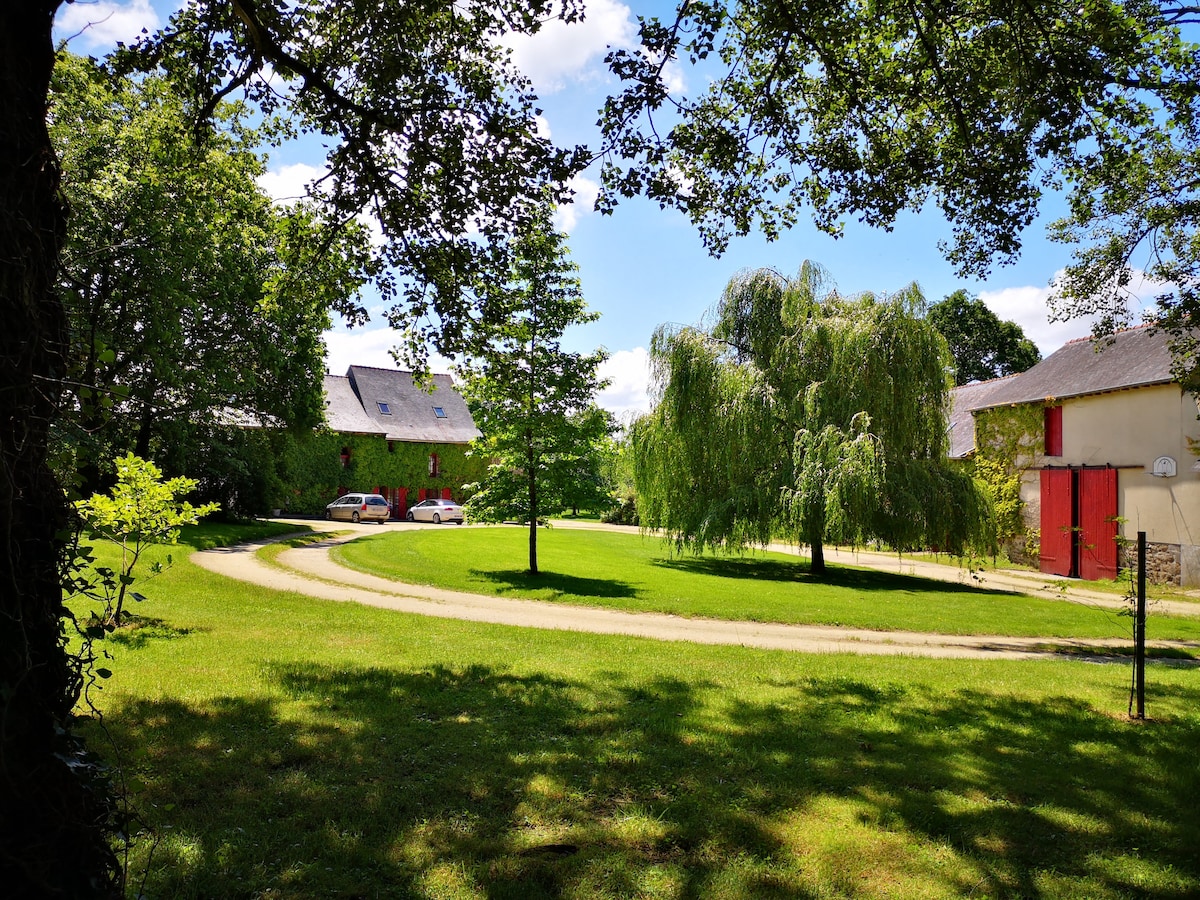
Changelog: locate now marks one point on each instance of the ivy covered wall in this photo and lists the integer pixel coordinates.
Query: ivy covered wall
(1009, 442)
(311, 468)
(255, 471)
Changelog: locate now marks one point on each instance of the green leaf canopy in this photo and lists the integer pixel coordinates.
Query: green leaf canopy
(978, 108)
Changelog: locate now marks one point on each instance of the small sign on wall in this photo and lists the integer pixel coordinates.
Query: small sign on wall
(1164, 467)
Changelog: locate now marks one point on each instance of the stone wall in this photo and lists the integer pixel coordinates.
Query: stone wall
(1022, 550)
(1164, 563)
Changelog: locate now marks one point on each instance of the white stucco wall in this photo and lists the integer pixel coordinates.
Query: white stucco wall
(1129, 430)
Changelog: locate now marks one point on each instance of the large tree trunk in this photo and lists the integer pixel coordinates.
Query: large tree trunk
(817, 565)
(52, 815)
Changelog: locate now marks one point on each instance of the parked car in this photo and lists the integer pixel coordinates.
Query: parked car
(436, 511)
(359, 508)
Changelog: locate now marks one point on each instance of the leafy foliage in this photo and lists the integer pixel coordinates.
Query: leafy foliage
(1003, 486)
(976, 107)
(1008, 440)
(806, 414)
(433, 132)
(141, 510)
(192, 299)
(982, 345)
(534, 401)
(432, 129)
(1011, 435)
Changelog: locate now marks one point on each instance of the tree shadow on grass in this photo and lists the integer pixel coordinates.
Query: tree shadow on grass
(554, 584)
(139, 631)
(798, 572)
(406, 783)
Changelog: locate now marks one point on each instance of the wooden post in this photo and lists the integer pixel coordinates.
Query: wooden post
(1139, 629)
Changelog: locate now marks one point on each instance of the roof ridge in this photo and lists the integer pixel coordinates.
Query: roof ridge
(408, 372)
(988, 380)
(1126, 330)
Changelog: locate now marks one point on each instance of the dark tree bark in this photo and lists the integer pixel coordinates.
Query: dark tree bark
(817, 565)
(53, 812)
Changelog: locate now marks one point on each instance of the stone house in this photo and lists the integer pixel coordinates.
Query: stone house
(394, 437)
(1109, 449)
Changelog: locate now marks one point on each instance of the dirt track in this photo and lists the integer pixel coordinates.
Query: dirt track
(309, 570)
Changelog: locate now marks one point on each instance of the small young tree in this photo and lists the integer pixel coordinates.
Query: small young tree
(532, 399)
(807, 415)
(142, 510)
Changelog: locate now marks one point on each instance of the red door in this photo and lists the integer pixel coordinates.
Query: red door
(1058, 504)
(446, 494)
(1097, 523)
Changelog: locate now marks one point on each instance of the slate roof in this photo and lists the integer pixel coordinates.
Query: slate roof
(964, 400)
(411, 415)
(343, 410)
(1129, 359)
(1133, 358)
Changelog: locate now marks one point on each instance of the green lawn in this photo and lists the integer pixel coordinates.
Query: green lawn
(283, 747)
(626, 571)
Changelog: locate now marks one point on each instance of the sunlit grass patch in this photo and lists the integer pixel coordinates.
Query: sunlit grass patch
(280, 746)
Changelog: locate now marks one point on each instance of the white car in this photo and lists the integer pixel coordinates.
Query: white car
(436, 511)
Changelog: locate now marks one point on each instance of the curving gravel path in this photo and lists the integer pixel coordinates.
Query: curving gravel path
(309, 570)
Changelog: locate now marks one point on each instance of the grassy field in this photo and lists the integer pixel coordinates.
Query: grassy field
(626, 571)
(283, 747)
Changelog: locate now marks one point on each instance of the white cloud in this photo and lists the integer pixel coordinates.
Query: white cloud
(673, 77)
(289, 183)
(560, 53)
(359, 347)
(104, 23)
(566, 217)
(628, 395)
(1029, 307)
(346, 347)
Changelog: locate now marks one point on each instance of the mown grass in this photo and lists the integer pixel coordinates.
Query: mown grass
(627, 571)
(285, 747)
(1123, 585)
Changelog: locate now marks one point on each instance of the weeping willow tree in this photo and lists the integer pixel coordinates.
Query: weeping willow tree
(802, 414)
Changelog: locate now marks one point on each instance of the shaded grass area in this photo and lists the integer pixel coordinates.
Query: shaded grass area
(626, 571)
(288, 747)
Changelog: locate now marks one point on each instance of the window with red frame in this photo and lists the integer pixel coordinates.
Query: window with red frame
(1054, 431)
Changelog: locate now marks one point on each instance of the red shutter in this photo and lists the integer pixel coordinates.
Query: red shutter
(1097, 524)
(421, 494)
(446, 494)
(401, 502)
(1054, 432)
(1057, 503)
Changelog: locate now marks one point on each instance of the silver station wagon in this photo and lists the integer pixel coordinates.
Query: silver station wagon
(359, 508)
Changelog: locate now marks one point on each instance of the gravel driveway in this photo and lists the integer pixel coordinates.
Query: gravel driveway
(309, 570)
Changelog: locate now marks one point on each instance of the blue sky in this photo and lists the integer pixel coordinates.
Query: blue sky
(643, 266)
